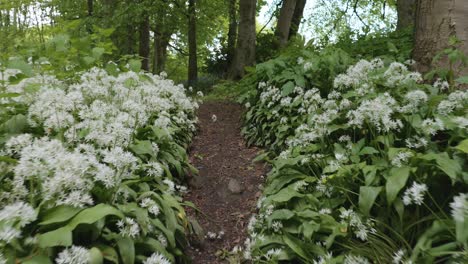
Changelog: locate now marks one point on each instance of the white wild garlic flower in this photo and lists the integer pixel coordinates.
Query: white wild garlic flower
(460, 207)
(415, 194)
(74, 255)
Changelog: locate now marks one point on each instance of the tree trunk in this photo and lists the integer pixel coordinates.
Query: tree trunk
(144, 50)
(436, 22)
(89, 26)
(284, 22)
(90, 7)
(406, 13)
(232, 33)
(130, 42)
(161, 41)
(245, 50)
(192, 43)
(297, 17)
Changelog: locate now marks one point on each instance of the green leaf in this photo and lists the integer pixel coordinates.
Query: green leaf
(450, 166)
(97, 52)
(63, 236)
(9, 95)
(463, 146)
(16, 124)
(109, 253)
(135, 65)
(296, 245)
(127, 250)
(88, 60)
(96, 256)
(282, 214)
(462, 80)
(40, 259)
(8, 160)
(142, 147)
(367, 196)
(396, 182)
(21, 65)
(287, 88)
(59, 214)
(285, 195)
(368, 151)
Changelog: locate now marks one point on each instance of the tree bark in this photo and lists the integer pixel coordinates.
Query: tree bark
(245, 50)
(436, 22)
(161, 41)
(406, 13)
(90, 7)
(297, 17)
(284, 22)
(192, 43)
(232, 33)
(144, 50)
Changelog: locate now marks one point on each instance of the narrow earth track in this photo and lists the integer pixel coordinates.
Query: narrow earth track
(227, 186)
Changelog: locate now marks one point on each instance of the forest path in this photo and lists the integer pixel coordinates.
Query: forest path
(227, 186)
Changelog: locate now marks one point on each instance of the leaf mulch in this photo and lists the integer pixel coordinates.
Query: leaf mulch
(228, 185)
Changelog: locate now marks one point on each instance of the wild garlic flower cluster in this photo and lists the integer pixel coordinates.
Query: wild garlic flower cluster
(90, 127)
(377, 112)
(63, 176)
(107, 110)
(375, 119)
(361, 228)
(357, 76)
(415, 194)
(460, 207)
(75, 255)
(157, 258)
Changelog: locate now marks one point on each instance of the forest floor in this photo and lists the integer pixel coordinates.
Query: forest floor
(228, 185)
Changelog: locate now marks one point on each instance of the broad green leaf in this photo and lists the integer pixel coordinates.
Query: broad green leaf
(282, 214)
(450, 166)
(88, 60)
(285, 195)
(21, 65)
(9, 95)
(109, 253)
(135, 65)
(96, 256)
(463, 146)
(368, 151)
(287, 88)
(296, 245)
(16, 124)
(97, 52)
(39, 259)
(395, 182)
(63, 236)
(126, 250)
(142, 147)
(8, 160)
(462, 80)
(59, 214)
(367, 196)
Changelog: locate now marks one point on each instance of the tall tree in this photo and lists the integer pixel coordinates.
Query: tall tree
(406, 13)
(232, 33)
(144, 48)
(245, 49)
(192, 43)
(284, 22)
(297, 17)
(163, 29)
(436, 22)
(90, 7)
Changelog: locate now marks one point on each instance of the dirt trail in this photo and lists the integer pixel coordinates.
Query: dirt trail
(227, 187)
